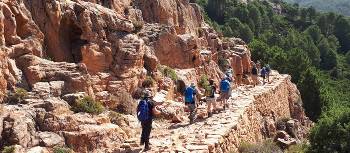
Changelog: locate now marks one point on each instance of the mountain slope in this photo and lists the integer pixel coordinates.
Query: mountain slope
(339, 6)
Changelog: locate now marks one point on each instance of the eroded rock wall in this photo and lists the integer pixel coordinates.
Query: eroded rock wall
(258, 121)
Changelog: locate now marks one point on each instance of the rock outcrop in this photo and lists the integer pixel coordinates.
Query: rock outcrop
(55, 52)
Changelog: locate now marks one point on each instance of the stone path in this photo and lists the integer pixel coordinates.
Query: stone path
(204, 134)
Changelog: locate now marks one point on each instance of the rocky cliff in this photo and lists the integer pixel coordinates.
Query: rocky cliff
(54, 52)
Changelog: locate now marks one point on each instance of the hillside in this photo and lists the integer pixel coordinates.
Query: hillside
(338, 6)
(310, 45)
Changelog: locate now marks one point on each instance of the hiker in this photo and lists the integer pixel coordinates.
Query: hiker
(255, 75)
(210, 97)
(225, 87)
(258, 65)
(268, 71)
(190, 101)
(145, 113)
(263, 74)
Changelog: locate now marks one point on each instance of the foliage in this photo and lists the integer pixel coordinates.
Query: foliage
(299, 148)
(313, 47)
(8, 149)
(267, 146)
(138, 25)
(332, 133)
(339, 6)
(116, 118)
(348, 57)
(204, 82)
(312, 100)
(62, 150)
(168, 72)
(88, 105)
(17, 96)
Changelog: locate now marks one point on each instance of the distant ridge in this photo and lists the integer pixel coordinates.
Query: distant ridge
(338, 6)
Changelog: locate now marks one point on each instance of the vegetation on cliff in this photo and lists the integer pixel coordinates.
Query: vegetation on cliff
(311, 46)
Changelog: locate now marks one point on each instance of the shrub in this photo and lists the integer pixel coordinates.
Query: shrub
(88, 105)
(127, 104)
(138, 25)
(267, 146)
(8, 149)
(17, 96)
(116, 118)
(148, 82)
(204, 82)
(299, 148)
(62, 150)
(332, 132)
(168, 72)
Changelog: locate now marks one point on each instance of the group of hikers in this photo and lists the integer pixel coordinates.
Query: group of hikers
(146, 107)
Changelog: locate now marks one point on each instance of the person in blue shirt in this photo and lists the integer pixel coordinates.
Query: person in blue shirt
(225, 90)
(190, 101)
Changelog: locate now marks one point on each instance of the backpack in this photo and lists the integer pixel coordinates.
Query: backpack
(263, 72)
(189, 94)
(224, 85)
(255, 71)
(209, 92)
(268, 69)
(143, 111)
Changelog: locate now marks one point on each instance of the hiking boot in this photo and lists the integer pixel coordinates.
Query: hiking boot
(147, 148)
(210, 114)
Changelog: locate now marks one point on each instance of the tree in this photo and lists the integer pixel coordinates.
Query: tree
(342, 32)
(311, 100)
(315, 33)
(246, 34)
(216, 10)
(297, 63)
(255, 19)
(312, 13)
(328, 55)
(332, 132)
(259, 50)
(347, 57)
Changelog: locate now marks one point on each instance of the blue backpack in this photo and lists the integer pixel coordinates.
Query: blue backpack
(189, 93)
(143, 112)
(224, 85)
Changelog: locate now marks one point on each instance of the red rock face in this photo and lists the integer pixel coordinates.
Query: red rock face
(60, 51)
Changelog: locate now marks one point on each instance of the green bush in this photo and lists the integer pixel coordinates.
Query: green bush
(62, 150)
(17, 96)
(204, 82)
(299, 148)
(8, 149)
(268, 146)
(168, 72)
(332, 132)
(88, 105)
(148, 82)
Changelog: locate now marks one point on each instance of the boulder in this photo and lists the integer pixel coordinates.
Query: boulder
(50, 139)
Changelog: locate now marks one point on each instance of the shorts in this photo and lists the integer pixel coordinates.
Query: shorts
(210, 99)
(225, 95)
